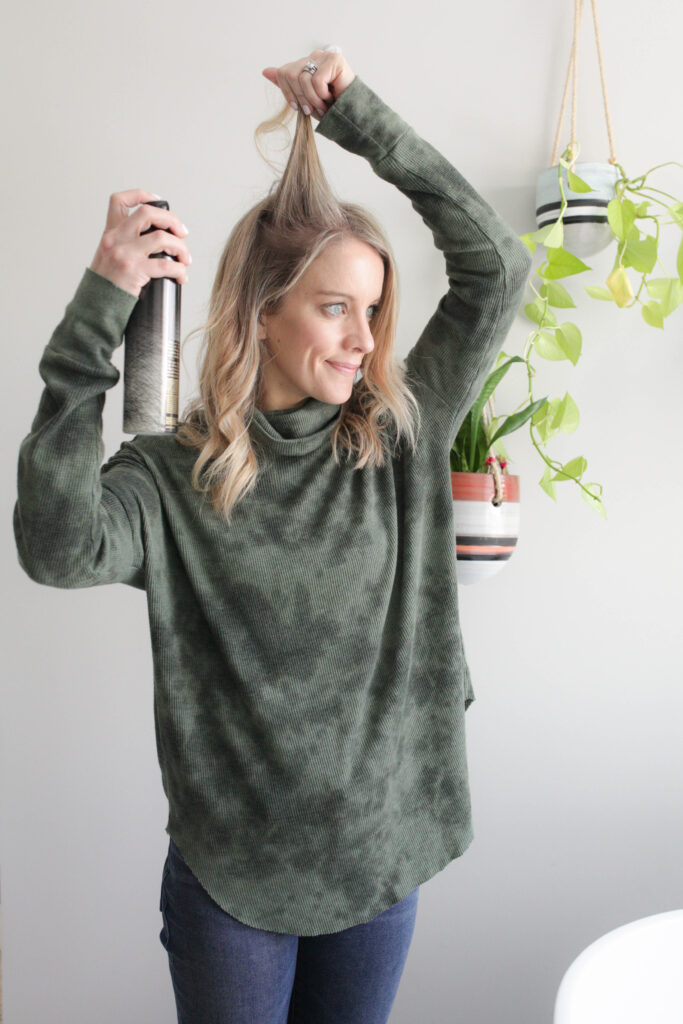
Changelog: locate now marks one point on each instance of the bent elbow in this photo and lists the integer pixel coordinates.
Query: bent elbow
(518, 264)
(51, 567)
(51, 575)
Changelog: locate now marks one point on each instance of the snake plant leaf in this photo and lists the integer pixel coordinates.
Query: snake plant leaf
(562, 264)
(599, 293)
(652, 314)
(557, 295)
(577, 184)
(640, 253)
(490, 385)
(502, 356)
(621, 214)
(461, 446)
(620, 286)
(517, 420)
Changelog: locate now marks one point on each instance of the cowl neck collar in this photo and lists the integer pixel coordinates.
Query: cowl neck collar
(297, 430)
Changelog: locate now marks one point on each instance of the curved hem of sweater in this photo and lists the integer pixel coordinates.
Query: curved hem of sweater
(304, 928)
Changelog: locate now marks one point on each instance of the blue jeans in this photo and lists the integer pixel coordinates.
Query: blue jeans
(226, 972)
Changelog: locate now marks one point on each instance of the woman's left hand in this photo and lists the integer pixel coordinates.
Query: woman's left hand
(313, 93)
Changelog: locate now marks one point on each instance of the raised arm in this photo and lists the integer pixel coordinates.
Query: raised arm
(486, 264)
(78, 523)
(73, 529)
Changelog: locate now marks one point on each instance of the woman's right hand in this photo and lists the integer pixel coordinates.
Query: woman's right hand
(123, 253)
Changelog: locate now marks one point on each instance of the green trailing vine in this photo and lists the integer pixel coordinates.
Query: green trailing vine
(552, 339)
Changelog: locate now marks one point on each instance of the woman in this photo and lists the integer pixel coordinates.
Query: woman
(310, 681)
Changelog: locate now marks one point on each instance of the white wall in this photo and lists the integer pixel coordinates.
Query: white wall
(575, 648)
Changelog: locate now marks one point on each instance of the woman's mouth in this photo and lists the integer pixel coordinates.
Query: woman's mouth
(343, 368)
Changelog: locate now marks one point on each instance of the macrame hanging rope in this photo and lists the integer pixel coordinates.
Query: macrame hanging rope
(573, 72)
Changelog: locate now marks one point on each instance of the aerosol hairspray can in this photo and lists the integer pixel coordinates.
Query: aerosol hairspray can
(152, 353)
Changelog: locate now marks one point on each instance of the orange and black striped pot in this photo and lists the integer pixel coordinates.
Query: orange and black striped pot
(486, 513)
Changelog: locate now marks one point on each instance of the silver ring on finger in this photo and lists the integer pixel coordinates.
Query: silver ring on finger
(310, 66)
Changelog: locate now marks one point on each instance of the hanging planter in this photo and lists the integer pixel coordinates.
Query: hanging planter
(587, 188)
(485, 496)
(599, 205)
(586, 224)
(486, 511)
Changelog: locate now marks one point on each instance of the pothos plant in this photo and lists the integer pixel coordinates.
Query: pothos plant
(629, 213)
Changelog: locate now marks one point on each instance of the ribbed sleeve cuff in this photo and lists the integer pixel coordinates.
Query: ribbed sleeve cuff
(362, 122)
(94, 321)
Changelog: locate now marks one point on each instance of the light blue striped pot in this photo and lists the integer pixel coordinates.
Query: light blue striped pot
(486, 534)
(586, 228)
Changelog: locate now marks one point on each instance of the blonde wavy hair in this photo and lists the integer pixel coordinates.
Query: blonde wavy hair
(267, 252)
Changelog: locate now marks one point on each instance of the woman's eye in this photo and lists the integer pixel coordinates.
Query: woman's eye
(339, 305)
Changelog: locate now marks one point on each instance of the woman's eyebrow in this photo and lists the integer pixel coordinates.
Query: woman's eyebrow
(344, 295)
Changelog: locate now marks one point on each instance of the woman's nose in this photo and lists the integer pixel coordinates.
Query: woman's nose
(362, 335)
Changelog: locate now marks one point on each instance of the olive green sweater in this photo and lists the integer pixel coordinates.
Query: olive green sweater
(310, 682)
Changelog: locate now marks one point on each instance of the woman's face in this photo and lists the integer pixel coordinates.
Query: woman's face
(324, 319)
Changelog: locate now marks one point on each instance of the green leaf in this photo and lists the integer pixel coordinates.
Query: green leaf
(677, 213)
(621, 214)
(518, 419)
(669, 290)
(599, 293)
(539, 312)
(642, 208)
(566, 416)
(652, 314)
(554, 235)
(569, 339)
(490, 385)
(459, 462)
(543, 419)
(541, 414)
(679, 261)
(548, 347)
(641, 254)
(562, 264)
(499, 446)
(529, 242)
(593, 499)
(557, 295)
(577, 184)
(572, 469)
(547, 484)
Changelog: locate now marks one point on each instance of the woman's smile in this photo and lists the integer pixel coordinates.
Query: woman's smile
(343, 367)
